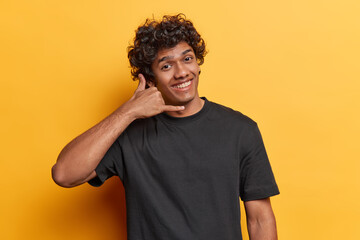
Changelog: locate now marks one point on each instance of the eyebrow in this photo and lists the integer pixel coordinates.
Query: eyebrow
(169, 57)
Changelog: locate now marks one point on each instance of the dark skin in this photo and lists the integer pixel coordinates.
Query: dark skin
(260, 220)
(176, 74)
(76, 163)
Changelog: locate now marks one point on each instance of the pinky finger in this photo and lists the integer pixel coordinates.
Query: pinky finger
(169, 108)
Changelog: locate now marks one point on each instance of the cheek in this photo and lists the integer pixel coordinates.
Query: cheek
(196, 69)
(162, 82)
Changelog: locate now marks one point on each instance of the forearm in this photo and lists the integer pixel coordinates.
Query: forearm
(262, 229)
(77, 161)
(260, 220)
(80, 157)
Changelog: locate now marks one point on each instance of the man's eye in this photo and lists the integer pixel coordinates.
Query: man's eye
(165, 67)
(187, 59)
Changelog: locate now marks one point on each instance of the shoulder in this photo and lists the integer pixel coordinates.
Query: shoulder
(135, 133)
(139, 125)
(230, 115)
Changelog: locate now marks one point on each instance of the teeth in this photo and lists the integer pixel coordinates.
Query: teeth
(183, 85)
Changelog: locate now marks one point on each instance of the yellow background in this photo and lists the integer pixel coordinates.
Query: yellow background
(291, 65)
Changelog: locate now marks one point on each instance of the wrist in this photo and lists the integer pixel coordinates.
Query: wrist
(126, 113)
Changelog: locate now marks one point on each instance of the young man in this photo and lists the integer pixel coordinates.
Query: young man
(184, 160)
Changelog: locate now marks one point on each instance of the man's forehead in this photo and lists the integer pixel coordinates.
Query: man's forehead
(178, 50)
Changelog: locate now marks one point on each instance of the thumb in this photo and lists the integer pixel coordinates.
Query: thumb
(142, 83)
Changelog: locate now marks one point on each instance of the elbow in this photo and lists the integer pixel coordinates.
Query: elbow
(59, 177)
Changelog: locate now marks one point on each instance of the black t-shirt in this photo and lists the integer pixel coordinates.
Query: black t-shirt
(183, 176)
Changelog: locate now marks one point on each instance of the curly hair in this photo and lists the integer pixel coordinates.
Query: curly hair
(153, 36)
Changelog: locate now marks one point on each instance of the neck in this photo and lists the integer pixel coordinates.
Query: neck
(191, 108)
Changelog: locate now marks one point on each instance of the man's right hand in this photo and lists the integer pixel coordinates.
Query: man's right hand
(147, 102)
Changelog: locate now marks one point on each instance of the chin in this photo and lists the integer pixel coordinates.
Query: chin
(184, 100)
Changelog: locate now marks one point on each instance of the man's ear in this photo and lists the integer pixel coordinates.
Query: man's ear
(150, 84)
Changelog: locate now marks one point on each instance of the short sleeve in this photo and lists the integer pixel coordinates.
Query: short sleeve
(256, 177)
(110, 165)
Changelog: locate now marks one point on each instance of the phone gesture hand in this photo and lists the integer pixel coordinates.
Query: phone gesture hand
(149, 102)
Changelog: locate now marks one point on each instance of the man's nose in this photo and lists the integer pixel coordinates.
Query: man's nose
(181, 71)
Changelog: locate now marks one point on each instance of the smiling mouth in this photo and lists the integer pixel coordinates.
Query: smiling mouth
(182, 85)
